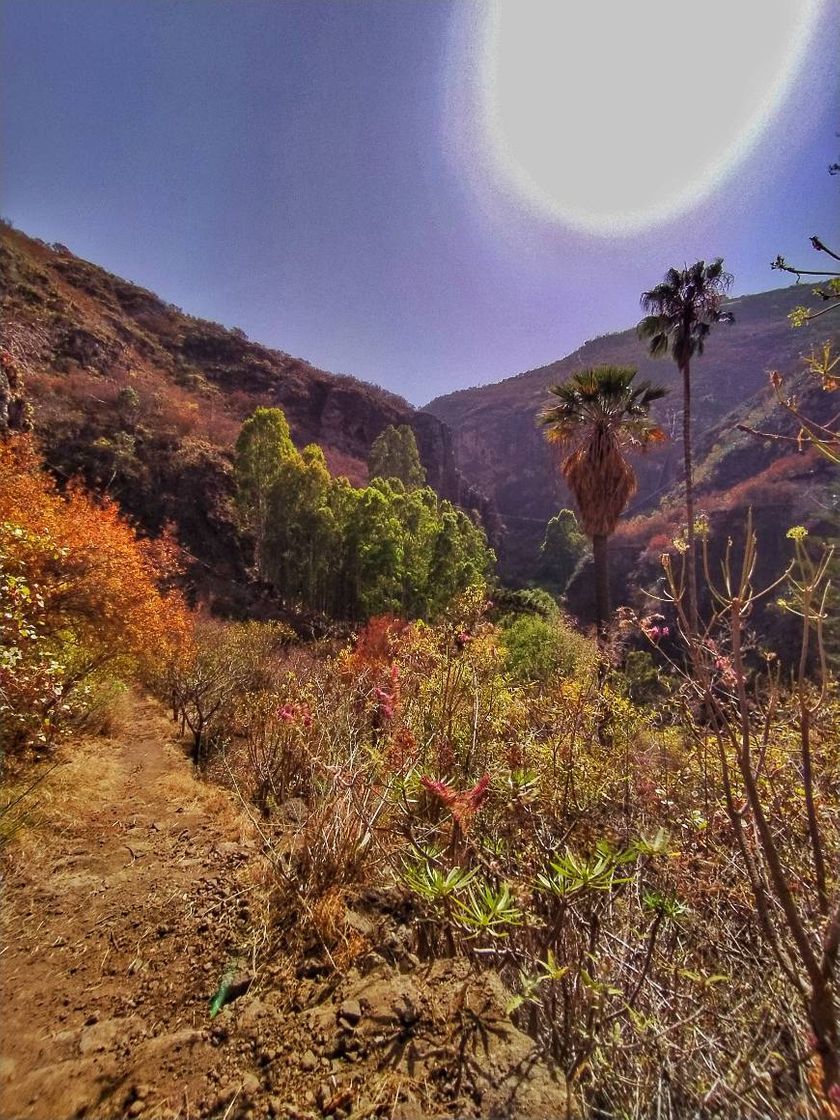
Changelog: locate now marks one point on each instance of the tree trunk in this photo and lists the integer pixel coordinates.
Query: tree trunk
(602, 585)
(691, 553)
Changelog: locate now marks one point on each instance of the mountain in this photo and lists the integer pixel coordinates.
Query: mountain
(501, 450)
(145, 401)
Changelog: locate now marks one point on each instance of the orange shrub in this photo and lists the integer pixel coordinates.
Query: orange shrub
(80, 592)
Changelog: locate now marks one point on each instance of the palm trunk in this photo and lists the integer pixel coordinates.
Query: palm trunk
(602, 585)
(691, 553)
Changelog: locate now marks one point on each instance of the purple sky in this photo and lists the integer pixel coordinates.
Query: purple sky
(297, 170)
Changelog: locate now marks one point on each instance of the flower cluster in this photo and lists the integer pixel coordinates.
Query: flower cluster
(295, 714)
(653, 627)
(463, 804)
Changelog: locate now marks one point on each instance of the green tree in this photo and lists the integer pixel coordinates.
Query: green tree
(380, 541)
(460, 557)
(302, 536)
(352, 553)
(419, 511)
(263, 447)
(600, 415)
(562, 547)
(681, 312)
(394, 454)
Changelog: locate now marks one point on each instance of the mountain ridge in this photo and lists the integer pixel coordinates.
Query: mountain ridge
(500, 448)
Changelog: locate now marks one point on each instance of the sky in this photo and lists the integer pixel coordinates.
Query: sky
(422, 193)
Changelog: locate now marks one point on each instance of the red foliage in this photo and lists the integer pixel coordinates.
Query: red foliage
(376, 642)
(463, 804)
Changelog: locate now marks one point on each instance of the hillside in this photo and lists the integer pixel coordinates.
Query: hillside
(145, 401)
(500, 448)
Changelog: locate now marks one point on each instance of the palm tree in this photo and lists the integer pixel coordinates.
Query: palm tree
(600, 415)
(681, 312)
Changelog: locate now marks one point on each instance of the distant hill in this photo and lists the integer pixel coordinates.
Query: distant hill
(501, 449)
(144, 401)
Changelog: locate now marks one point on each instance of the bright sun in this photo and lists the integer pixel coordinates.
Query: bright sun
(619, 115)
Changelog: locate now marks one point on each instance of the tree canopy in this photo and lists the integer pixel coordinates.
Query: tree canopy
(394, 454)
(353, 552)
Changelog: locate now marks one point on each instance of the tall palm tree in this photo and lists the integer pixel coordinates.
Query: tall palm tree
(681, 312)
(600, 415)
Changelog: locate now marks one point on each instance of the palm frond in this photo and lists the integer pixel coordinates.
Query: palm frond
(683, 308)
(597, 414)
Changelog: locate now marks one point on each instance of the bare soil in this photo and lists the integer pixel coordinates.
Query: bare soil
(136, 889)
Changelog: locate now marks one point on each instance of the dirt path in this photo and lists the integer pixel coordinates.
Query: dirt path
(137, 887)
(123, 905)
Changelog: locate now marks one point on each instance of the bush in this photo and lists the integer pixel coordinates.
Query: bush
(80, 602)
(537, 649)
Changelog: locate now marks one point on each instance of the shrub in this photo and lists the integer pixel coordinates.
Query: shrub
(80, 601)
(536, 649)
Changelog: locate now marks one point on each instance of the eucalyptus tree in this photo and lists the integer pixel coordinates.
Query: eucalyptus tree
(394, 454)
(681, 312)
(600, 415)
(263, 449)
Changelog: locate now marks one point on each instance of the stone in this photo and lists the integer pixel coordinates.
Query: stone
(252, 1013)
(408, 1110)
(250, 1084)
(308, 1062)
(351, 1011)
(334, 1046)
(293, 811)
(239, 985)
(107, 1033)
(162, 1046)
(359, 923)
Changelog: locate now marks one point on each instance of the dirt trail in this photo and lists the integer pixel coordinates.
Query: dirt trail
(138, 887)
(121, 910)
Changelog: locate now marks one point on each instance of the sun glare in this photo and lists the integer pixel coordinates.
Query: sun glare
(618, 116)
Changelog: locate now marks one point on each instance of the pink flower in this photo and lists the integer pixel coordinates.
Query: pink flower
(441, 790)
(287, 713)
(476, 796)
(462, 804)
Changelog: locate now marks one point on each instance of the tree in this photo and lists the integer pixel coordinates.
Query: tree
(263, 446)
(599, 416)
(681, 312)
(394, 454)
(562, 547)
(828, 289)
(392, 546)
(301, 534)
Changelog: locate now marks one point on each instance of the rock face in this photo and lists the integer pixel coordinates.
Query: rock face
(145, 401)
(501, 450)
(15, 412)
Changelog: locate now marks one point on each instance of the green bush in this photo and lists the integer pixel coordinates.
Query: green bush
(536, 649)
